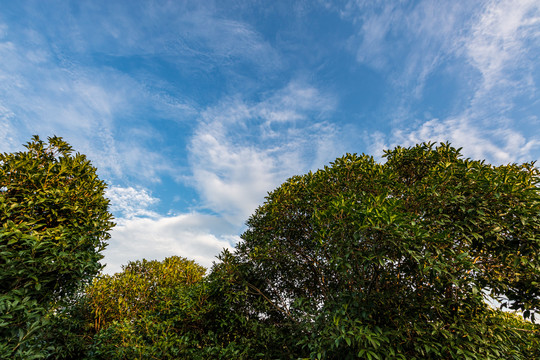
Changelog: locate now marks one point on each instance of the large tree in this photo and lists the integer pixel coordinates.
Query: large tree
(397, 259)
(54, 222)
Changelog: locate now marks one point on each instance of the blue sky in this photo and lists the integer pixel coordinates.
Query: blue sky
(193, 110)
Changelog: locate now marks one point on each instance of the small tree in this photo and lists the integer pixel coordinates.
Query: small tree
(54, 223)
(149, 310)
(140, 288)
(397, 260)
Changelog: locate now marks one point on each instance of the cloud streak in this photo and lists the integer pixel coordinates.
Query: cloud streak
(498, 145)
(187, 31)
(85, 105)
(128, 202)
(497, 46)
(429, 28)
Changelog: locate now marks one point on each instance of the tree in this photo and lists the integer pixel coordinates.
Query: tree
(397, 260)
(148, 310)
(164, 310)
(54, 224)
(140, 288)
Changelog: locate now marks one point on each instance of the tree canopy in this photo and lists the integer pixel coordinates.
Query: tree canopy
(140, 288)
(398, 259)
(146, 310)
(54, 223)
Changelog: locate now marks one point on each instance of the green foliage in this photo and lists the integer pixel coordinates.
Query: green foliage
(145, 311)
(166, 310)
(524, 335)
(54, 224)
(142, 286)
(395, 260)
(358, 260)
(232, 325)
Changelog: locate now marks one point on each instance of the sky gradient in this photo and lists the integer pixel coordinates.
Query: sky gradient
(193, 110)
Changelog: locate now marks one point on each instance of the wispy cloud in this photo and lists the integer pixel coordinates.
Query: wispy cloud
(503, 46)
(498, 145)
(141, 232)
(498, 48)
(500, 41)
(187, 31)
(50, 84)
(426, 30)
(7, 132)
(242, 150)
(90, 107)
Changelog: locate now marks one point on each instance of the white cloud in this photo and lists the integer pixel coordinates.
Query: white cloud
(241, 151)
(404, 41)
(370, 44)
(128, 202)
(497, 145)
(195, 236)
(7, 132)
(143, 233)
(187, 30)
(48, 90)
(407, 44)
(89, 107)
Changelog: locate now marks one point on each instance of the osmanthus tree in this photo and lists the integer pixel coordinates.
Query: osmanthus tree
(54, 222)
(397, 259)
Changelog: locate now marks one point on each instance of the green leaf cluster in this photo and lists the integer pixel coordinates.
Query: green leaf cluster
(54, 222)
(146, 310)
(164, 310)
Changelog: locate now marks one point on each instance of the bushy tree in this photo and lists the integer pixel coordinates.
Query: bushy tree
(396, 260)
(54, 222)
(146, 311)
(139, 288)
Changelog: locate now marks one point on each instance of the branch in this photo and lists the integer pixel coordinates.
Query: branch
(271, 302)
